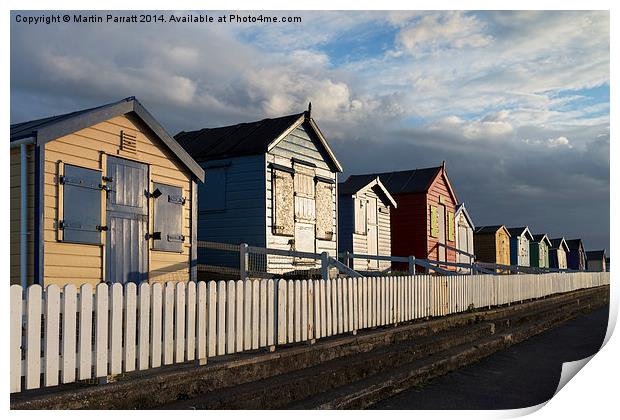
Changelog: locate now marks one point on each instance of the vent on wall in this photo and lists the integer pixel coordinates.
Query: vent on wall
(128, 143)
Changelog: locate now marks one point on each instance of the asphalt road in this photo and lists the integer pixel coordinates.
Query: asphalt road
(524, 375)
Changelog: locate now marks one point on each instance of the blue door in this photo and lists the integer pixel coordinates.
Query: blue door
(127, 221)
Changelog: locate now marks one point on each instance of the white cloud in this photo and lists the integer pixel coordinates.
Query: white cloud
(442, 31)
(559, 142)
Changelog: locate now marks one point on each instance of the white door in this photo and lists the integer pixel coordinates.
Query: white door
(305, 212)
(373, 231)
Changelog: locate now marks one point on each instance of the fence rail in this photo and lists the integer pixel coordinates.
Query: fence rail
(63, 336)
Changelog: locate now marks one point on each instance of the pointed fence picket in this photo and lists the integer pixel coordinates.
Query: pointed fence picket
(62, 335)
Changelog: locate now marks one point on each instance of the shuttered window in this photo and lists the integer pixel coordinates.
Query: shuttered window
(214, 196)
(434, 222)
(81, 195)
(305, 204)
(168, 218)
(450, 226)
(283, 202)
(325, 213)
(360, 215)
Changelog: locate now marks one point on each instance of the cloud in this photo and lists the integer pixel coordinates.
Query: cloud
(443, 31)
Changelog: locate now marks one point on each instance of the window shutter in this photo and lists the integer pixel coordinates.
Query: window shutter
(168, 219)
(81, 221)
(325, 211)
(434, 222)
(450, 226)
(283, 202)
(360, 215)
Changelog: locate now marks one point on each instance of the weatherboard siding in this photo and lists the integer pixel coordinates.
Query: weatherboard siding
(298, 144)
(15, 215)
(439, 188)
(78, 263)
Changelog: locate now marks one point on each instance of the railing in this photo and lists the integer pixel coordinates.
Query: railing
(63, 336)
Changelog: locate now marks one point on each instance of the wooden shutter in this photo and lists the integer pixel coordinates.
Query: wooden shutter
(450, 226)
(168, 218)
(434, 222)
(305, 204)
(325, 210)
(360, 215)
(283, 202)
(81, 195)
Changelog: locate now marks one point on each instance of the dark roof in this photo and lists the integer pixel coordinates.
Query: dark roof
(410, 181)
(555, 243)
(235, 140)
(50, 128)
(350, 188)
(518, 231)
(595, 255)
(488, 229)
(353, 185)
(30, 128)
(574, 243)
(540, 236)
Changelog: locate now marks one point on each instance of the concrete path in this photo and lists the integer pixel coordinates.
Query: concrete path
(524, 375)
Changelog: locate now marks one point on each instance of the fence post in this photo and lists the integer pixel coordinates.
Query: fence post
(411, 265)
(243, 261)
(348, 260)
(324, 265)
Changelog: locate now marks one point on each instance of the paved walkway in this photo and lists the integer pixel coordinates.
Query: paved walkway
(524, 375)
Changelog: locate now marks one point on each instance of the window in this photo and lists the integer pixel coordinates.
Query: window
(360, 215)
(213, 197)
(434, 222)
(283, 202)
(325, 211)
(168, 218)
(81, 198)
(450, 226)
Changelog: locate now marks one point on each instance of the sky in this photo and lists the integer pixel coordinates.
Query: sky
(516, 103)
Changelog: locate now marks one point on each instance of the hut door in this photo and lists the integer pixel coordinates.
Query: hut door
(127, 221)
(305, 211)
(462, 245)
(441, 235)
(372, 231)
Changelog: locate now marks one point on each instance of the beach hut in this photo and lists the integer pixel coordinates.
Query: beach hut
(520, 238)
(539, 251)
(596, 260)
(101, 195)
(492, 244)
(558, 254)
(423, 222)
(464, 231)
(576, 258)
(364, 222)
(269, 183)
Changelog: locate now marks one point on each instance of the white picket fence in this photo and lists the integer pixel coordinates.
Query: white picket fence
(63, 336)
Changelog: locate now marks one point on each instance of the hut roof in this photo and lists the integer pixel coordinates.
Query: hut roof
(596, 255)
(539, 237)
(520, 231)
(408, 181)
(462, 209)
(245, 139)
(350, 187)
(574, 243)
(559, 242)
(50, 128)
(491, 229)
